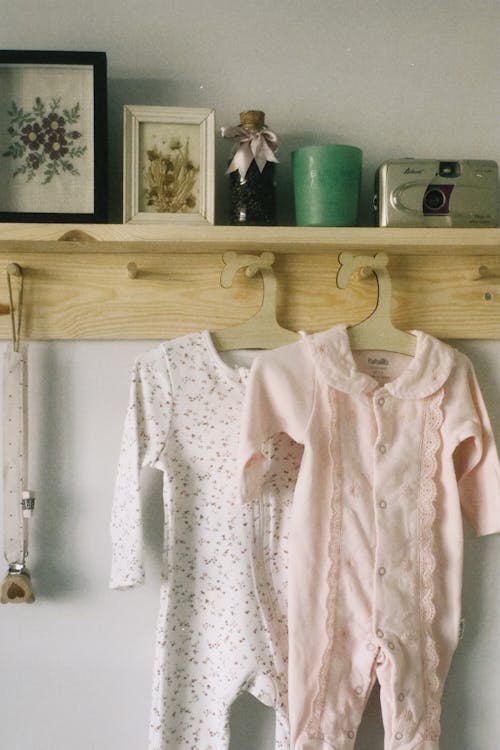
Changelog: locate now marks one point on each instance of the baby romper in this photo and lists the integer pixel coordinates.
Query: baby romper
(394, 449)
(183, 419)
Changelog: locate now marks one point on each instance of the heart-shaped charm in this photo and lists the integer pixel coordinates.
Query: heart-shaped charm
(15, 592)
(16, 589)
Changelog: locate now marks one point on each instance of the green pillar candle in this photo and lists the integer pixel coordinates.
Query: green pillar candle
(327, 182)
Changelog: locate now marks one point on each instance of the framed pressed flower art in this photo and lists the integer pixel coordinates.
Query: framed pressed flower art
(168, 165)
(53, 162)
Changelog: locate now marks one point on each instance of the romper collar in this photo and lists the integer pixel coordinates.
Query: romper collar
(426, 373)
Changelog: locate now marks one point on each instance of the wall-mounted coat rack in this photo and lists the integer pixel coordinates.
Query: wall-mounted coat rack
(156, 282)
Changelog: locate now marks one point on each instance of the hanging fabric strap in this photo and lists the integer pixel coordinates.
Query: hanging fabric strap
(17, 500)
(15, 436)
(16, 311)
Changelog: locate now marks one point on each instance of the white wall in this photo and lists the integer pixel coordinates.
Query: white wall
(395, 78)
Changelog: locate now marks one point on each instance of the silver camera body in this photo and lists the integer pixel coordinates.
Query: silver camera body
(434, 193)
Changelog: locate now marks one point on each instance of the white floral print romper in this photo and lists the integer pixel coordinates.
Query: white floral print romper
(213, 639)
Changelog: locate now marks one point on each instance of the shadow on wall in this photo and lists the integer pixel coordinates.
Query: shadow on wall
(163, 93)
(251, 724)
(57, 512)
(73, 478)
(168, 93)
(458, 687)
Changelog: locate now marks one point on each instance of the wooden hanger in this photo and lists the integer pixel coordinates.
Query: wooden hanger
(377, 331)
(262, 330)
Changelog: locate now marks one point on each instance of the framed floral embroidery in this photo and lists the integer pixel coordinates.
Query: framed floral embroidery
(53, 148)
(168, 165)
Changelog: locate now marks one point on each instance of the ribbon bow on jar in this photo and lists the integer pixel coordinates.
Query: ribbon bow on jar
(253, 144)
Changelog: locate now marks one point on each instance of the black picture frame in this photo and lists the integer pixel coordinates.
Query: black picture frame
(53, 147)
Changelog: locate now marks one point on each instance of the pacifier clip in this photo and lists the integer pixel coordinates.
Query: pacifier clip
(18, 501)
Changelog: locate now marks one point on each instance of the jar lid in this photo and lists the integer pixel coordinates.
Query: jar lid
(252, 119)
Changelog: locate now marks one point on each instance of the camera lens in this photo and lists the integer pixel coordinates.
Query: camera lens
(434, 199)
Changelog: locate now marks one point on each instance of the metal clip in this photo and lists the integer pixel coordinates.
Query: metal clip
(28, 503)
(15, 569)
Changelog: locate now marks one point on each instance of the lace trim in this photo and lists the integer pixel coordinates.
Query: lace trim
(333, 572)
(427, 516)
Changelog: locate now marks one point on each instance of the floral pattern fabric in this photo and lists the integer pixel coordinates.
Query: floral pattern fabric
(213, 641)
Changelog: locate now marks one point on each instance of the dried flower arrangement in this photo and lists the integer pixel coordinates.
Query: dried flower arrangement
(170, 179)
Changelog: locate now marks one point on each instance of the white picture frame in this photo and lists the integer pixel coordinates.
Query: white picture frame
(168, 165)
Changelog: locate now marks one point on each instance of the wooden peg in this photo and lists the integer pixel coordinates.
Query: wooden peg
(132, 270)
(363, 273)
(251, 263)
(14, 269)
(265, 260)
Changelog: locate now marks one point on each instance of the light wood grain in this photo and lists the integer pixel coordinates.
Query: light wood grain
(288, 240)
(82, 289)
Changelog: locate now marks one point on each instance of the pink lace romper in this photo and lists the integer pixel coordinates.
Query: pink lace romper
(395, 449)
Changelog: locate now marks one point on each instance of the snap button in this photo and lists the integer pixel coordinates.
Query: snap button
(382, 504)
(391, 645)
(350, 734)
(381, 571)
(381, 401)
(358, 690)
(380, 633)
(398, 736)
(401, 697)
(382, 448)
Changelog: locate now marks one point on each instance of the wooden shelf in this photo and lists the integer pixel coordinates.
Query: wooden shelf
(163, 238)
(445, 281)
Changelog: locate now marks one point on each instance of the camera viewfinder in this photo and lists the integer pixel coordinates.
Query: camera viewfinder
(449, 169)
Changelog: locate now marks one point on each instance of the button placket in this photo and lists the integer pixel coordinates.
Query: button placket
(379, 404)
(382, 447)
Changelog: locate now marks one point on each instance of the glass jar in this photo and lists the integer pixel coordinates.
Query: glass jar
(252, 182)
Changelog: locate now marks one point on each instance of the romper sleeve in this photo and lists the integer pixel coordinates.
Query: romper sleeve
(278, 399)
(476, 464)
(144, 435)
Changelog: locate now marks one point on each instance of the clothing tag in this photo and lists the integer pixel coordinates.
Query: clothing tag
(381, 365)
(378, 368)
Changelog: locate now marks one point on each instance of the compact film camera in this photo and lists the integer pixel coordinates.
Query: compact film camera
(433, 193)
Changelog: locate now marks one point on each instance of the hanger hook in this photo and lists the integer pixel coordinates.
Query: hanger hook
(253, 263)
(14, 269)
(349, 263)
